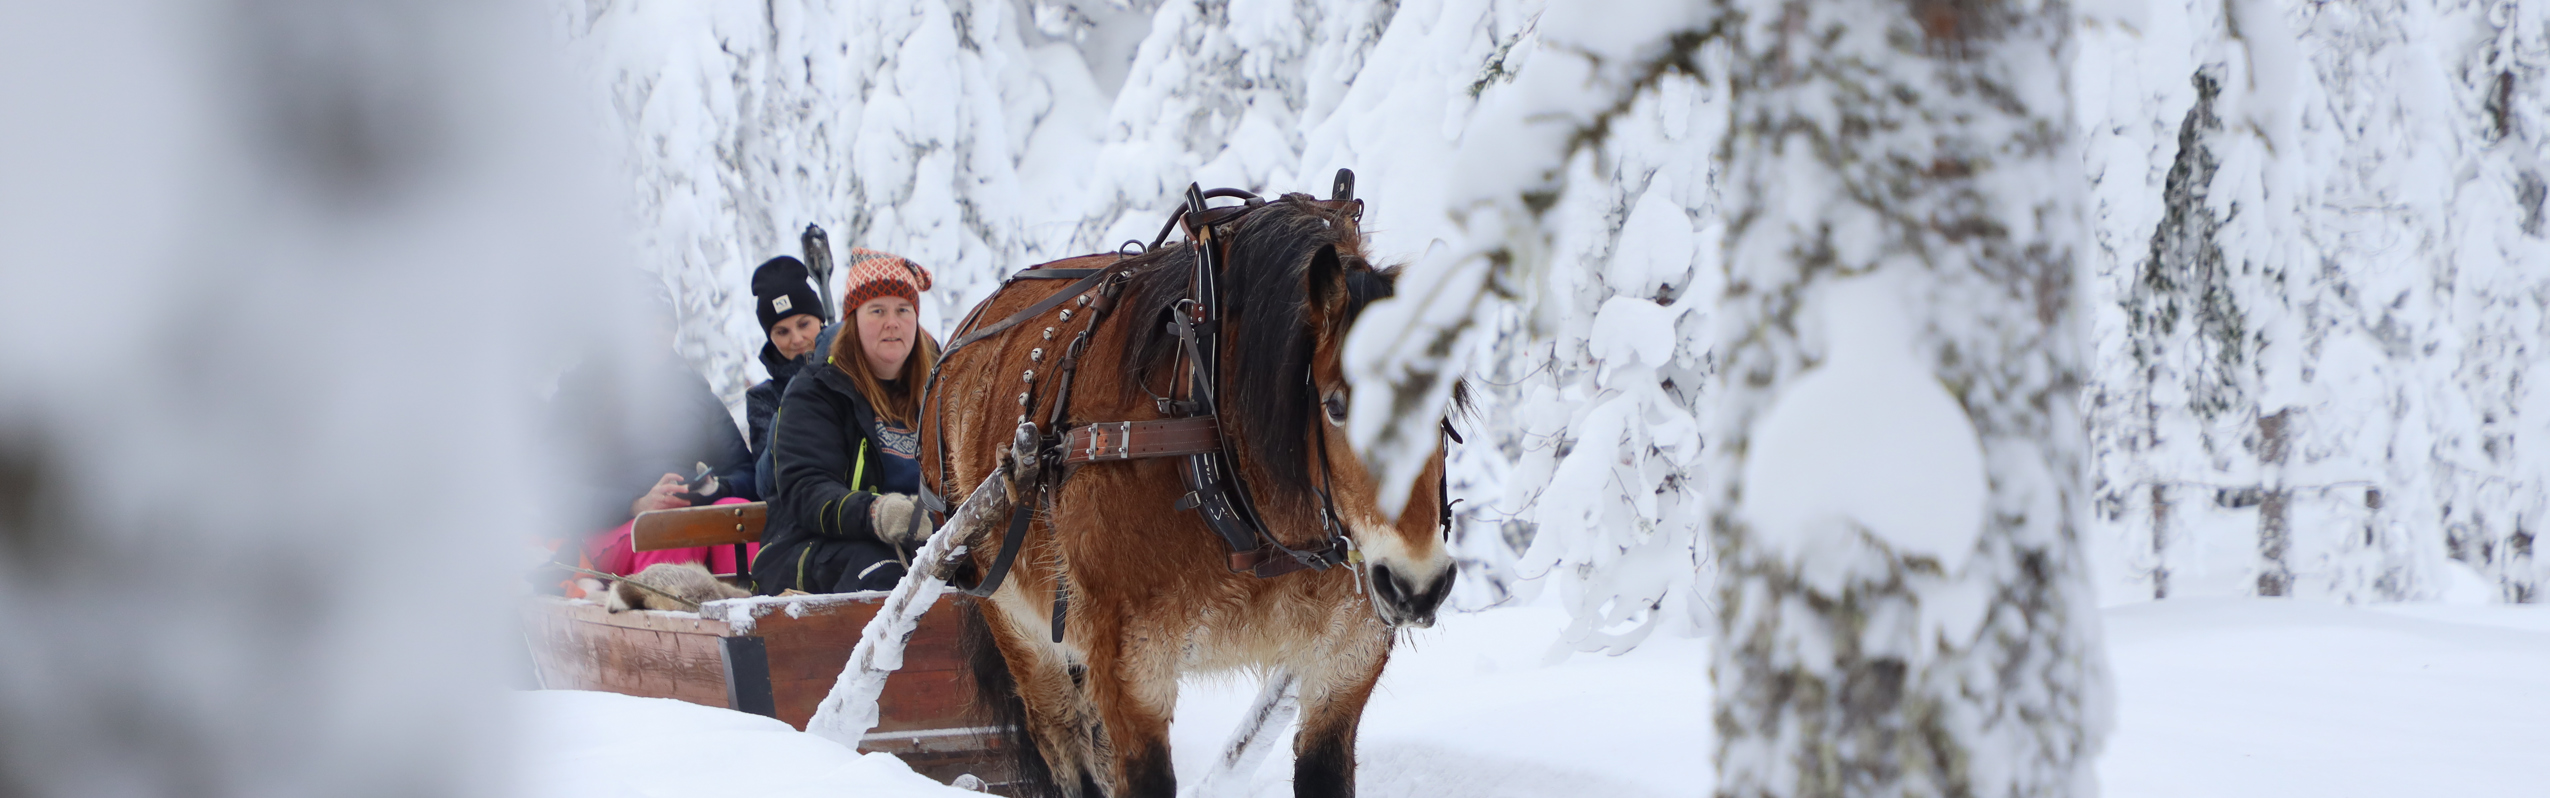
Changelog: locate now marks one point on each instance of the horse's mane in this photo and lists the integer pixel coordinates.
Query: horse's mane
(1266, 311)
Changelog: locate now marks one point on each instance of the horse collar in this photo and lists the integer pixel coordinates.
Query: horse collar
(1215, 486)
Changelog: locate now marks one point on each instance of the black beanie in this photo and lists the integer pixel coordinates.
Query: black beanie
(780, 290)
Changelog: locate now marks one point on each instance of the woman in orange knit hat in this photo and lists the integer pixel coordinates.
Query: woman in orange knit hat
(845, 445)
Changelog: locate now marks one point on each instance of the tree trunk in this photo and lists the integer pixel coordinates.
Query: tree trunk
(2275, 507)
(1897, 462)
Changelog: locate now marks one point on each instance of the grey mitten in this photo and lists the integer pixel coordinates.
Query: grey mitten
(891, 515)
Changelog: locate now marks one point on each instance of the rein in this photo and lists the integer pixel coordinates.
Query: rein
(1215, 488)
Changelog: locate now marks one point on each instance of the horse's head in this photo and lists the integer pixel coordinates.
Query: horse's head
(1296, 279)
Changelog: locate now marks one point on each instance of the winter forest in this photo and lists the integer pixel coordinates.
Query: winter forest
(1866, 397)
(2181, 299)
(2306, 297)
(2306, 292)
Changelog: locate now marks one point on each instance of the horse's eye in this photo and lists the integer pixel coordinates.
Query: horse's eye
(1335, 406)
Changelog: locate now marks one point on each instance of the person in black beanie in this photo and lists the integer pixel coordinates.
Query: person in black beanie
(791, 314)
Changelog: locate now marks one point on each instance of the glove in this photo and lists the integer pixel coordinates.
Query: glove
(707, 490)
(892, 515)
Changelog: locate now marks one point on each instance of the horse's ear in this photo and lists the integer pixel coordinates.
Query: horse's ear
(1325, 283)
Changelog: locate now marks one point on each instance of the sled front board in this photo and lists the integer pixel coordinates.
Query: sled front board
(801, 643)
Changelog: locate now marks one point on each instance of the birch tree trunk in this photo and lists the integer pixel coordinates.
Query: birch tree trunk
(1896, 464)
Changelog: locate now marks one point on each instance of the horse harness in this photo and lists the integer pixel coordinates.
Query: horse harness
(1193, 432)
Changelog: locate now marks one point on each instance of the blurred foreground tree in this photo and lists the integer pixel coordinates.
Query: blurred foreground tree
(1896, 458)
(284, 280)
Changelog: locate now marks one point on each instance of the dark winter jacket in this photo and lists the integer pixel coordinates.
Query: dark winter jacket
(623, 455)
(761, 402)
(826, 447)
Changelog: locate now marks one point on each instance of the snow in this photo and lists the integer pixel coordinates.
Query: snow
(1867, 441)
(740, 614)
(605, 745)
(2219, 698)
(2254, 697)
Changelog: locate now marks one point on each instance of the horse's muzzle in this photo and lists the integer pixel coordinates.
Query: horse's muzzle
(1405, 602)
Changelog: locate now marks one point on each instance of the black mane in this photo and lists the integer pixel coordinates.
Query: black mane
(1266, 314)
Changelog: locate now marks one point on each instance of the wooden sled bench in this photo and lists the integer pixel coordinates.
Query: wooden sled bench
(771, 656)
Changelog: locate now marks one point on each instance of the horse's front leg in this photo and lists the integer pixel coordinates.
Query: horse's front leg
(1133, 685)
(1332, 706)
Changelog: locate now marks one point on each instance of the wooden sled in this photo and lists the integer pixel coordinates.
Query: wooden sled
(771, 656)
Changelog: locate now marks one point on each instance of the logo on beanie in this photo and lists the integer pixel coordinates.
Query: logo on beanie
(779, 304)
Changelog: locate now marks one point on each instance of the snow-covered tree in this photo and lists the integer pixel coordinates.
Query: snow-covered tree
(895, 126)
(283, 278)
(2485, 250)
(1576, 259)
(1896, 470)
(2314, 325)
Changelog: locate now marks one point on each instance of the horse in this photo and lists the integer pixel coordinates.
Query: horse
(1149, 592)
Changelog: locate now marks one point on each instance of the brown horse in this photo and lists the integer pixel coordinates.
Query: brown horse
(1152, 592)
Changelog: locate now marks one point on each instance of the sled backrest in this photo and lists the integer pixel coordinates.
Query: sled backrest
(713, 525)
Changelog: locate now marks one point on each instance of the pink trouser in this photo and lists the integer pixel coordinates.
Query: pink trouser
(612, 553)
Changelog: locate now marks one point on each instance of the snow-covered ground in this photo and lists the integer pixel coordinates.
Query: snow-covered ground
(2216, 697)
(606, 744)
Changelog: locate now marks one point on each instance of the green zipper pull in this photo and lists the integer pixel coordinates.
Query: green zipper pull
(859, 471)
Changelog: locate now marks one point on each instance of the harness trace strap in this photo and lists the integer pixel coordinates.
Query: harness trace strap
(1010, 541)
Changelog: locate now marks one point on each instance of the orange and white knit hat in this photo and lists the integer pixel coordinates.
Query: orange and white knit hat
(877, 274)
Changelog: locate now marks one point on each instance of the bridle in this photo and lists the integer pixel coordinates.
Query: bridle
(1193, 430)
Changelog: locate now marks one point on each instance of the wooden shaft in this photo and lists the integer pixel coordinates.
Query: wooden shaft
(1277, 702)
(846, 715)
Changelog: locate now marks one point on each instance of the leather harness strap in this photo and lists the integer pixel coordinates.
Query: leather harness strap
(968, 334)
(1010, 541)
(1108, 441)
(1053, 274)
(1017, 534)
(1268, 561)
(1087, 281)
